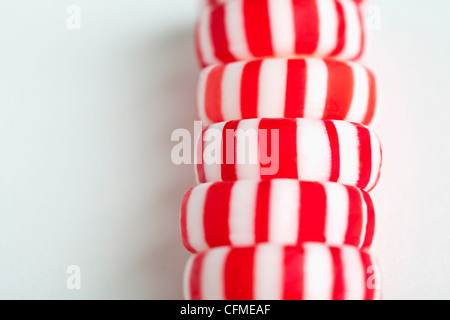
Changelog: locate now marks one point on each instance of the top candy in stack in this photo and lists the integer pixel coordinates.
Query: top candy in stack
(236, 30)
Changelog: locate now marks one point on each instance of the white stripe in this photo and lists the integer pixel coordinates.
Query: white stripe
(235, 29)
(272, 88)
(247, 155)
(268, 272)
(212, 152)
(201, 95)
(318, 276)
(284, 211)
(187, 278)
(242, 213)
(337, 213)
(231, 91)
(354, 277)
(348, 152)
(365, 217)
(213, 274)
(376, 159)
(316, 88)
(328, 27)
(205, 41)
(353, 30)
(194, 217)
(281, 17)
(313, 150)
(360, 101)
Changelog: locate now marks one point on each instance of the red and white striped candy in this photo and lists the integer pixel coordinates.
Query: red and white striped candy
(303, 149)
(287, 212)
(214, 3)
(273, 272)
(252, 29)
(286, 88)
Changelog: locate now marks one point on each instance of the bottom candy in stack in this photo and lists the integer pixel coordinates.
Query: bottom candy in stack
(272, 272)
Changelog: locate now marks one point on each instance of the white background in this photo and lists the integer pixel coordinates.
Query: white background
(85, 171)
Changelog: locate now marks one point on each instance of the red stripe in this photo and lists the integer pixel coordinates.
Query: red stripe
(219, 35)
(199, 165)
(372, 99)
(313, 207)
(213, 94)
(306, 24)
(365, 156)
(183, 222)
(195, 278)
(249, 89)
(228, 151)
(287, 147)
(339, 282)
(262, 212)
(239, 272)
(334, 149)
(257, 27)
(295, 89)
(355, 221)
(371, 277)
(217, 210)
(370, 229)
(341, 29)
(293, 273)
(340, 90)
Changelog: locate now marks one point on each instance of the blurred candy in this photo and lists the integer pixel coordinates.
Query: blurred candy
(272, 272)
(214, 3)
(282, 88)
(252, 29)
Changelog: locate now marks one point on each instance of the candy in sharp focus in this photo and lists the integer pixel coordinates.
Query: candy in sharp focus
(281, 211)
(286, 88)
(272, 272)
(252, 29)
(303, 149)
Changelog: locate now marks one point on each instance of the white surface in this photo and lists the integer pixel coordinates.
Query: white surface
(85, 122)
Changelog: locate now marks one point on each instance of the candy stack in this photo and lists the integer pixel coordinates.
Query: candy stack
(283, 212)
